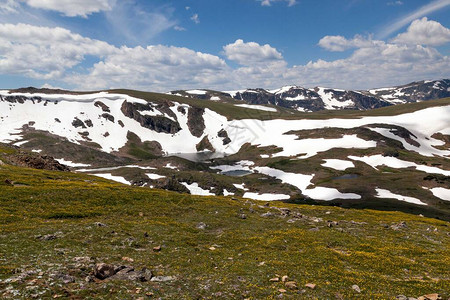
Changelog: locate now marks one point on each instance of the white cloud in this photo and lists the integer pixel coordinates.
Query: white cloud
(156, 68)
(424, 32)
(58, 55)
(338, 43)
(43, 52)
(269, 2)
(251, 53)
(9, 6)
(73, 8)
(420, 12)
(195, 19)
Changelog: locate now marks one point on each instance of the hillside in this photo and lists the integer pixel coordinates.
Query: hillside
(56, 228)
(392, 158)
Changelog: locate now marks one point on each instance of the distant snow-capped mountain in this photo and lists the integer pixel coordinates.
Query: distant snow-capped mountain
(321, 98)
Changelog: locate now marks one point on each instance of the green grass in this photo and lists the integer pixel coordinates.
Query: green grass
(381, 261)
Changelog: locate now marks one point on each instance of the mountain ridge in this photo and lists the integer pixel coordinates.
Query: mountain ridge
(321, 98)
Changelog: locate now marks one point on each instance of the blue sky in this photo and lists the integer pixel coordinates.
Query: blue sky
(222, 44)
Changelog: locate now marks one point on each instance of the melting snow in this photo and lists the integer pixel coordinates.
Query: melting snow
(240, 186)
(257, 107)
(441, 193)
(71, 164)
(215, 98)
(227, 193)
(114, 178)
(194, 189)
(154, 176)
(330, 102)
(381, 193)
(303, 181)
(338, 164)
(392, 162)
(266, 197)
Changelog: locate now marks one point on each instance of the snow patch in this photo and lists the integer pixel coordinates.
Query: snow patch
(154, 176)
(195, 189)
(338, 164)
(119, 179)
(71, 164)
(441, 193)
(266, 197)
(381, 193)
(257, 107)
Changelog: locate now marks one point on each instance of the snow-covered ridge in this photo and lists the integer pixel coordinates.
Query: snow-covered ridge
(320, 98)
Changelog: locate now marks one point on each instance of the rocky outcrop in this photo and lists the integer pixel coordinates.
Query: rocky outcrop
(205, 144)
(156, 123)
(224, 135)
(102, 105)
(29, 160)
(196, 123)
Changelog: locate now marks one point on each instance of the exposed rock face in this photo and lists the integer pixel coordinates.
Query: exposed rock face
(102, 105)
(34, 161)
(196, 123)
(78, 123)
(156, 123)
(205, 144)
(224, 134)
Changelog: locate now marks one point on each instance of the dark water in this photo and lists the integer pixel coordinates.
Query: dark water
(236, 173)
(347, 176)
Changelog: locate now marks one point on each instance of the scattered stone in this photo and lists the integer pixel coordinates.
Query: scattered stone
(310, 285)
(128, 259)
(267, 214)
(99, 224)
(201, 226)
(401, 225)
(8, 182)
(103, 271)
(141, 214)
(129, 273)
(146, 235)
(275, 279)
(292, 285)
(243, 216)
(282, 290)
(356, 288)
(212, 248)
(401, 297)
(47, 237)
(163, 278)
(157, 249)
(430, 297)
(284, 278)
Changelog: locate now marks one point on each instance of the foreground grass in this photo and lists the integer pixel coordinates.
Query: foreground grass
(231, 258)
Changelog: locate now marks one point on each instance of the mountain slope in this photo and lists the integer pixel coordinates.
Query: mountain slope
(321, 98)
(390, 158)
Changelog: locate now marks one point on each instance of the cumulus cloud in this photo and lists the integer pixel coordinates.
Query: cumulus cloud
(72, 8)
(405, 20)
(380, 64)
(269, 2)
(251, 53)
(339, 43)
(44, 52)
(424, 32)
(58, 55)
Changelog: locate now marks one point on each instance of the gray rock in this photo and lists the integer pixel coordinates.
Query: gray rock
(356, 288)
(162, 278)
(201, 226)
(103, 271)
